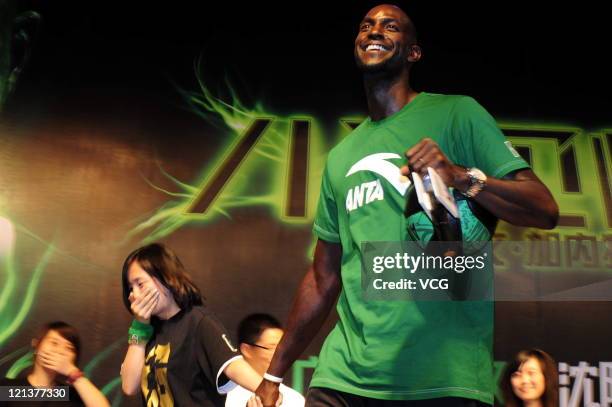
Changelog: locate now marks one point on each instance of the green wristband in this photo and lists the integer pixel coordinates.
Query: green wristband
(141, 326)
(139, 333)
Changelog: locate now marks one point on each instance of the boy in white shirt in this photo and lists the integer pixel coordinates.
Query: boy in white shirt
(258, 335)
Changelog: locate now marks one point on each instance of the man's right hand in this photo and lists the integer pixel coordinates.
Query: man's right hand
(268, 393)
(143, 305)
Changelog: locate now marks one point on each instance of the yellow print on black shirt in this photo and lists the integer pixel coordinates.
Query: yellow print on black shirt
(154, 380)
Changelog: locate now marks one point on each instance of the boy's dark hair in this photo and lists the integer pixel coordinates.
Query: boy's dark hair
(252, 326)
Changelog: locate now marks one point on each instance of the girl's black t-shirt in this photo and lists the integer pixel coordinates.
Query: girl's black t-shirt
(185, 359)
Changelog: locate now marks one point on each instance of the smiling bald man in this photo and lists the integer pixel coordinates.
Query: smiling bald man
(403, 353)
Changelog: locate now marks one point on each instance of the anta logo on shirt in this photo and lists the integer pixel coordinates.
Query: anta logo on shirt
(154, 381)
(371, 191)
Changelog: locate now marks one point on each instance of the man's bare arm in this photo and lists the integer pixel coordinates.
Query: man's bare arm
(313, 301)
(521, 198)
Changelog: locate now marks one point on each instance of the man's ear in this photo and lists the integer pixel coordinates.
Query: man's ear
(245, 350)
(25, 32)
(414, 53)
(34, 342)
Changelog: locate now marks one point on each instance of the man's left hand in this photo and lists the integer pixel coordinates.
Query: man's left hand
(268, 394)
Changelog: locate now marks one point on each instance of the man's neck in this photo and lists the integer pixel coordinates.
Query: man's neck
(387, 95)
(41, 377)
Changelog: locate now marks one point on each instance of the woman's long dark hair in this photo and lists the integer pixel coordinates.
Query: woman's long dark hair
(550, 398)
(162, 263)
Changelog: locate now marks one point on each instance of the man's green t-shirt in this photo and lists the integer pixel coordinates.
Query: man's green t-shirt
(399, 350)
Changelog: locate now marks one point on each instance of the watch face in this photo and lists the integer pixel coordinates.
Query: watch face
(477, 182)
(479, 175)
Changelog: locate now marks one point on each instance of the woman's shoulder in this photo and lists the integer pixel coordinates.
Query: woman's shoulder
(197, 313)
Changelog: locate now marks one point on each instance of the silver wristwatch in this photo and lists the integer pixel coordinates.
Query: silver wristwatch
(478, 180)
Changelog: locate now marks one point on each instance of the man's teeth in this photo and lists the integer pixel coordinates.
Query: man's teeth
(376, 47)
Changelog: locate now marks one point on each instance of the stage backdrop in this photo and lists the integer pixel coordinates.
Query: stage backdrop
(207, 128)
